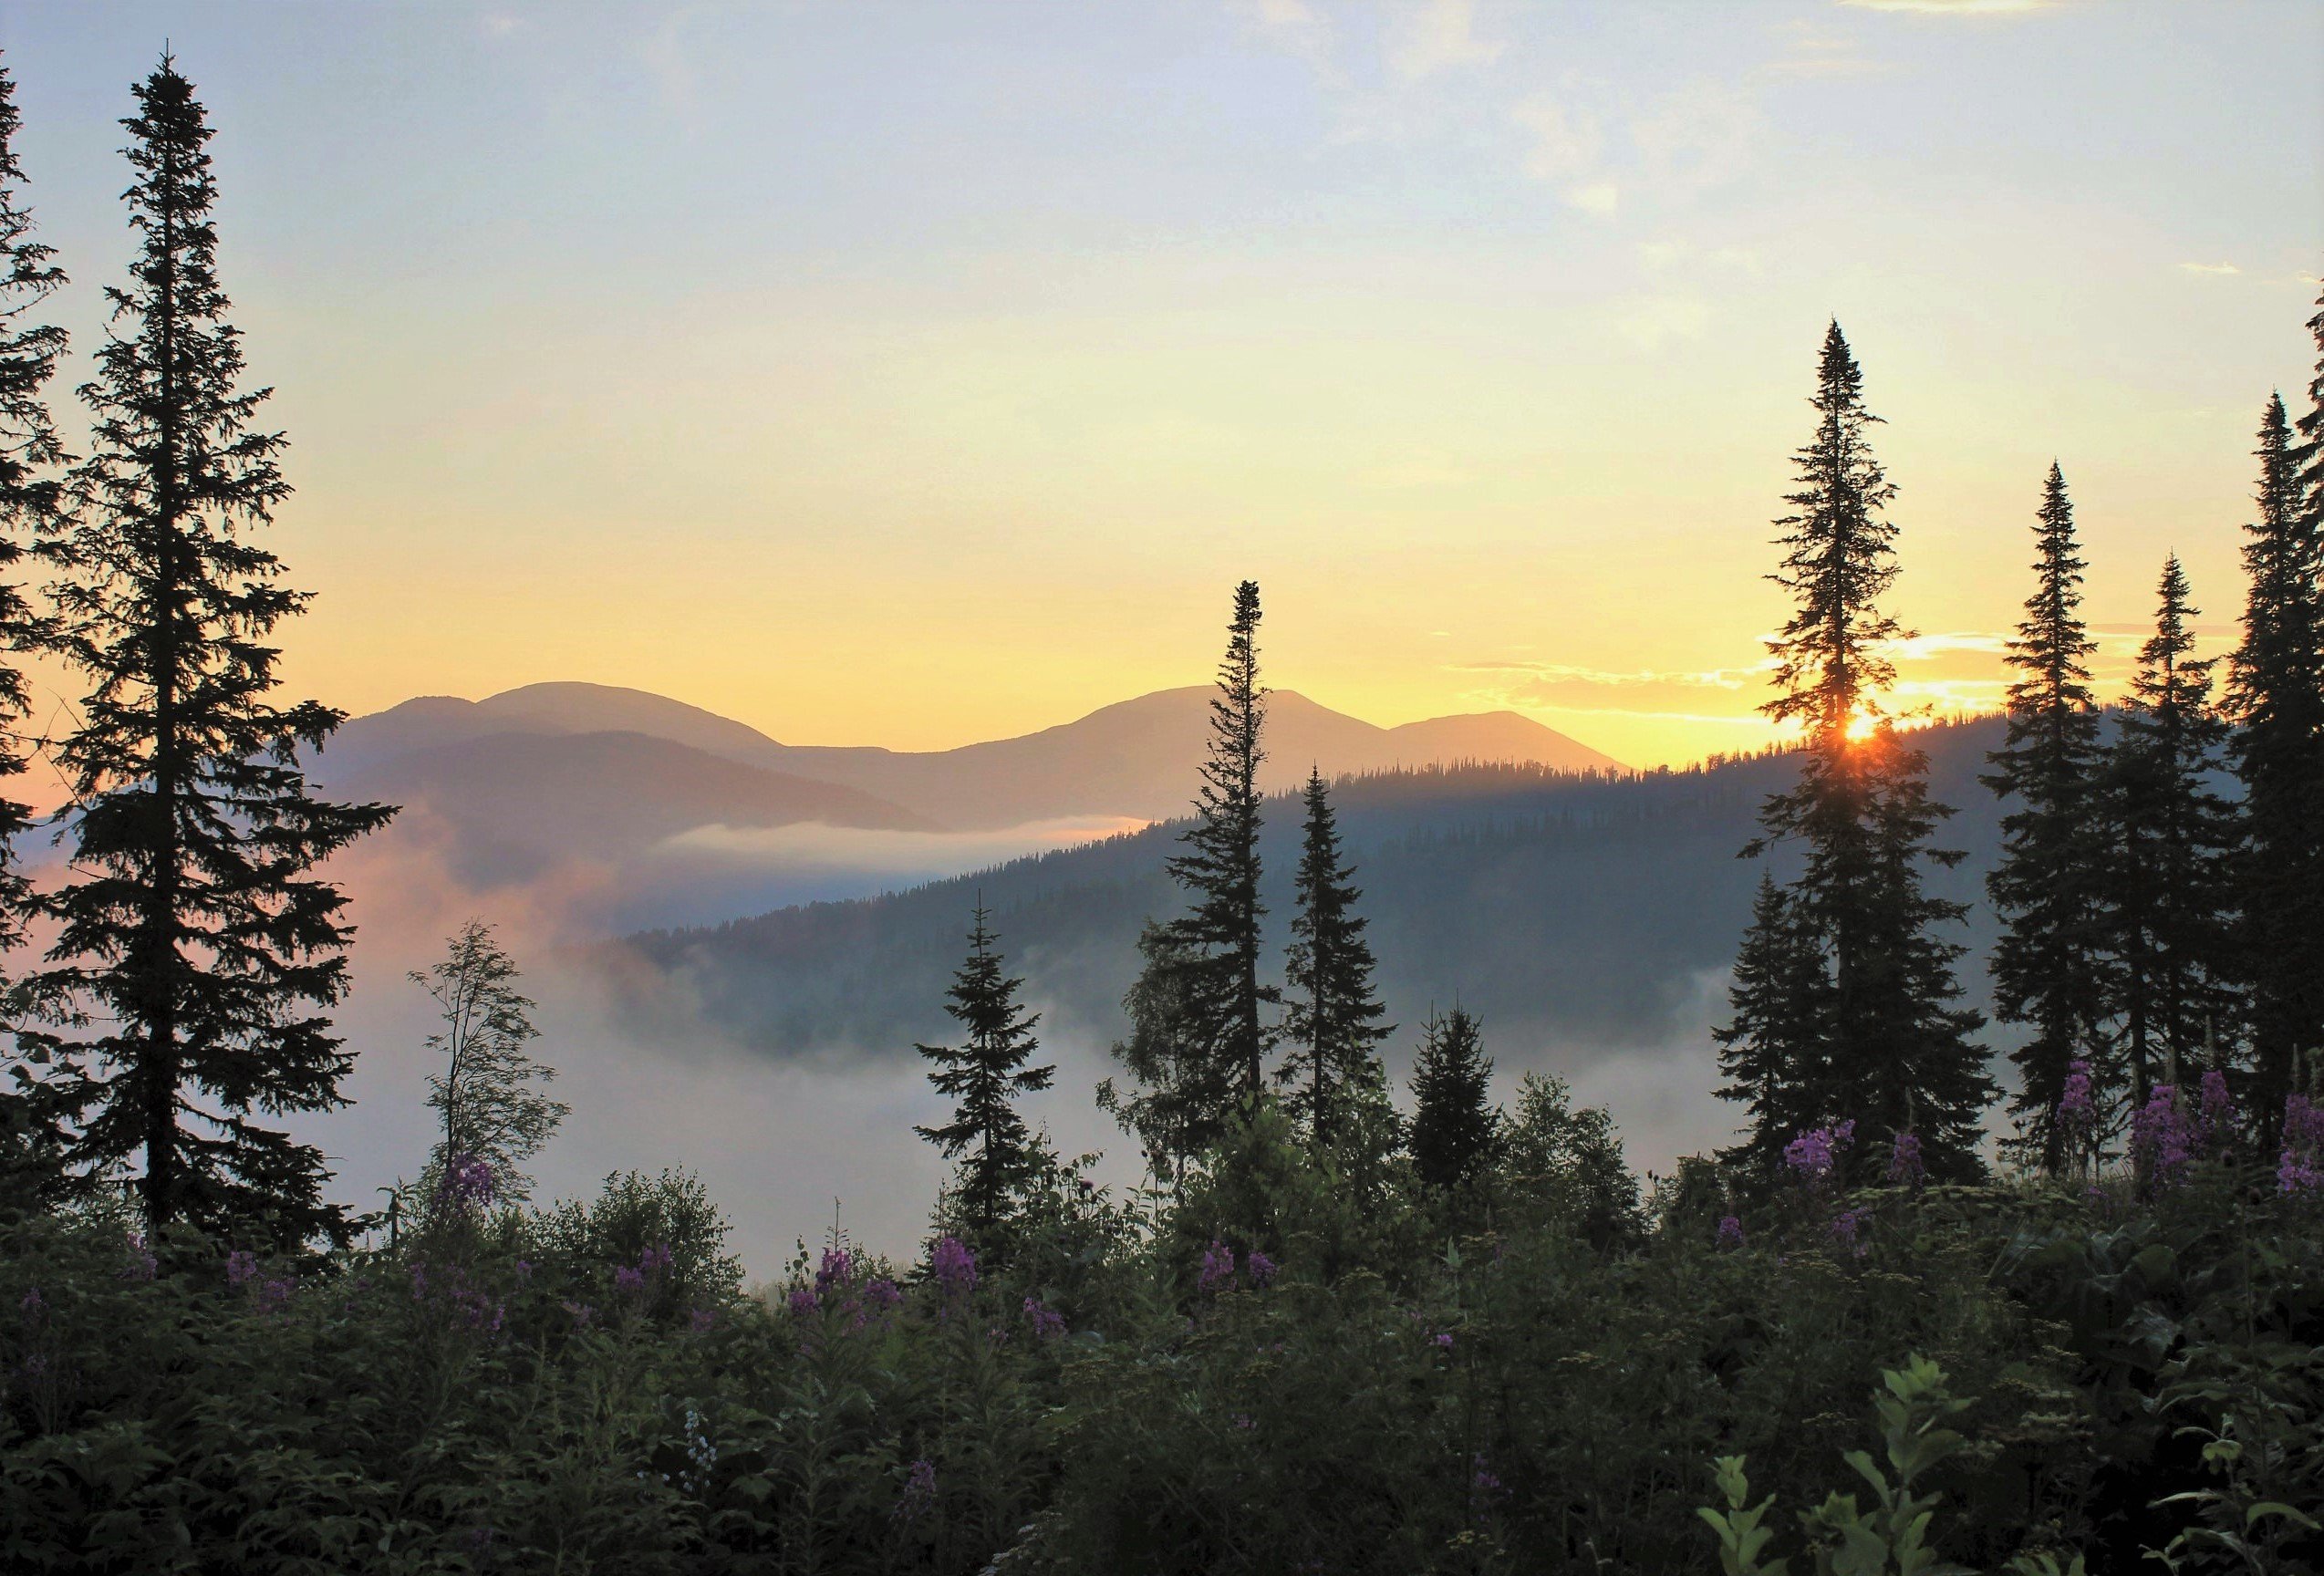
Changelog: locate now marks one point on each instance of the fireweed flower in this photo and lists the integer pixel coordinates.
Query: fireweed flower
(2218, 1111)
(1047, 1322)
(1730, 1232)
(919, 1492)
(1218, 1269)
(802, 1300)
(275, 1295)
(2077, 1106)
(882, 1294)
(2163, 1139)
(703, 1322)
(1815, 1155)
(955, 1267)
(2301, 1169)
(1905, 1167)
(1258, 1267)
(467, 1185)
(1848, 1225)
(1443, 1341)
(242, 1268)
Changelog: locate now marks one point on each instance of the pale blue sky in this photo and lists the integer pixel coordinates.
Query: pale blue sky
(913, 373)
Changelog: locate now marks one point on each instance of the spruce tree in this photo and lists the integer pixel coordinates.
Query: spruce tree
(1332, 1016)
(488, 1101)
(31, 1130)
(985, 1074)
(1454, 1123)
(2046, 966)
(2168, 912)
(1771, 1048)
(1198, 1044)
(2276, 697)
(1890, 1049)
(198, 943)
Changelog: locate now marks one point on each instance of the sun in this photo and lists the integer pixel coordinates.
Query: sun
(1863, 723)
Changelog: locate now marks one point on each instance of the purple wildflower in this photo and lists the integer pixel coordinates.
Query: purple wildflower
(2076, 1103)
(919, 1491)
(883, 1293)
(1905, 1167)
(628, 1280)
(2218, 1111)
(1258, 1267)
(838, 1269)
(275, 1295)
(467, 1185)
(1218, 1269)
(703, 1322)
(583, 1315)
(2162, 1138)
(1730, 1232)
(1815, 1153)
(1847, 1226)
(1047, 1322)
(1442, 1341)
(242, 1268)
(1245, 1420)
(2301, 1169)
(802, 1300)
(955, 1266)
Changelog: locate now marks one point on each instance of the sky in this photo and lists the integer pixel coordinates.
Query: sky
(916, 374)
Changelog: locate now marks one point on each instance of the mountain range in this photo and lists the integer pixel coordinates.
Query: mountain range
(685, 815)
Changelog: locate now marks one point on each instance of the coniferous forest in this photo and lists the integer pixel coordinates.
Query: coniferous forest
(1938, 1307)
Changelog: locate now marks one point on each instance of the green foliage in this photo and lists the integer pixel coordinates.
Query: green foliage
(487, 1097)
(1331, 1077)
(1455, 1125)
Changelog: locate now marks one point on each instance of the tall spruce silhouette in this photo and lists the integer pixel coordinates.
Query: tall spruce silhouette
(2168, 896)
(2276, 697)
(985, 1074)
(1454, 1124)
(1332, 1015)
(2046, 972)
(1892, 1050)
(31, 457)
(197, 940)
(1197, 1043)
(1771, 1047)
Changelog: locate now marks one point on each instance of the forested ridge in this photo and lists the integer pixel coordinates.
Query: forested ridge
(1916, 1317)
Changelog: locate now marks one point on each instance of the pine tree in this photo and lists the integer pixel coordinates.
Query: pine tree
(1771, 1048)
(2046, 966)
(1197, 1043)
(1454, 1123)
(1890, 1050)
(198, 939)
(2276, 697)
(31, 1124)
(2168, 900)
(1332, 1015)
(488, 1100)
(985, 1074)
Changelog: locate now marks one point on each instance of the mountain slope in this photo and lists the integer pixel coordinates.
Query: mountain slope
(1133, 759)
(1584, 914)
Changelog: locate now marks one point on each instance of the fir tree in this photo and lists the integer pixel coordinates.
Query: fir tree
(1197, 1043)
(197, 938)
(2276, 697)
(1454, 1123)
(2046, 967)
(1331, 1014)
(2168, 914)
(1771, 1048)
(31, 1132)
(488, 1100)
(1890, 1050)
(985, 1074)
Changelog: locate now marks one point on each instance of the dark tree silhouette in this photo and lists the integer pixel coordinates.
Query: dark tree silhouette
(2168, 894)
(198, 940)
(1771, 1048)
(488, 1098)
(1332, 1017)
(1454, 1123)
(984, 1074)
(31, 1130)
(1197, 1045)
(2276, 697)
(1891, 1050)
(2045, 969)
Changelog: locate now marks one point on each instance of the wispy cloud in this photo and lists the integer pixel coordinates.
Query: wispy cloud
(2209, 268)
(1952, 7)
(1297, 28)
(1699, 135)
(1438, 36)
(498, 24)
(1812, 52)
(1650, 322)
(1566, 141)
